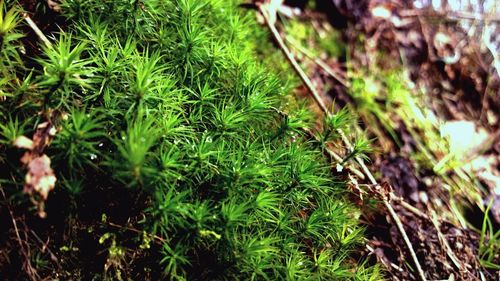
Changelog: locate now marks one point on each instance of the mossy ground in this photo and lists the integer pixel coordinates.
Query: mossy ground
(171, 156)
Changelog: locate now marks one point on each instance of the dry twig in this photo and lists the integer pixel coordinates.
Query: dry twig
(443, 241)
(451, 16)
(45, 247)
(318, 61)
(156, 238)
(37, 30)
(30, 270)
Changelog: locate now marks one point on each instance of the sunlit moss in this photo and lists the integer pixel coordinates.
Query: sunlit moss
(175, 104)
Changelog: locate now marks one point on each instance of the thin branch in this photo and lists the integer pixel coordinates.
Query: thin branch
(45, 246)
(445, 244)
(451, 16)
(30, 270)
(288, 54)
(37, 30)
(317, 61)
(407, 241)
(319, 101)
(383, 261)
(491, 48)
(335, 156)
(155, 237)
(409, 207)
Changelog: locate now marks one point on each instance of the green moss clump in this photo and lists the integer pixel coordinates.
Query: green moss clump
(171, 158)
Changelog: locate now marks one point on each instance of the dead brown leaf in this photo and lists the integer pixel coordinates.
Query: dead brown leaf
(40, 178)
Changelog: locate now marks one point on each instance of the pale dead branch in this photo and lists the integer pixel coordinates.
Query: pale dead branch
(37, 30)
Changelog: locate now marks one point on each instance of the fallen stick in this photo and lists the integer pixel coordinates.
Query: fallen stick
(135, 230)
(318, 61)
(45, 247)
(321, 104)
(445, 244)
(30, 270)
(37, 30)
(451, 15)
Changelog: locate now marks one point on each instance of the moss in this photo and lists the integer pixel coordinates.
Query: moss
(170, 156)
(326, 42)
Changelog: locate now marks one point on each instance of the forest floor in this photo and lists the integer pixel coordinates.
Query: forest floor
(427, 92)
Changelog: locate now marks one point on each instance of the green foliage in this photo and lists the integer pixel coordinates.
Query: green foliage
(166, 103)
(10, 131)
(332, 124)
(134, 163)
(9, 20)
(360, 148)
(489, 243)
(63, 71)
(329, 42)
(78, 141)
